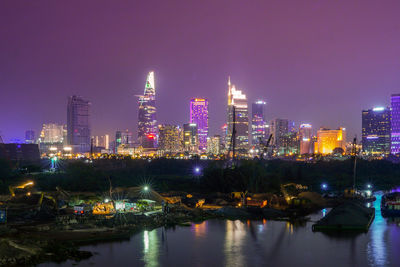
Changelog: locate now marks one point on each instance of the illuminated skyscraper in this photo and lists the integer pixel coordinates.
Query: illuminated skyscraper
(278, 129)
(258, 125)
(376, 131)
(78, 124)
(395, 134)
(190, 138)
(199, 116)
(147, 122)
(238, 115)
(118, 138)
(329, 140)
(305, 138)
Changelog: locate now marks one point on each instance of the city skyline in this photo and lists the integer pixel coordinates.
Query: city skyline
(325, 76)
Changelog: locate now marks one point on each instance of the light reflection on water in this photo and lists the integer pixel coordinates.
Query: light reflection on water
(252, 243)
(377, 245)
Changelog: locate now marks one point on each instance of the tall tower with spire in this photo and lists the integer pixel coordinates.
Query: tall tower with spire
(147, 121)
(238, 115)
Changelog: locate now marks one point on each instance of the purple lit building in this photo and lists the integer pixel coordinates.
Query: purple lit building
(199, 116)
(376, 131)
(258, 125)
(395, 134)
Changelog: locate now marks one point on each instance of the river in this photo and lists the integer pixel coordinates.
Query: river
(251, 243)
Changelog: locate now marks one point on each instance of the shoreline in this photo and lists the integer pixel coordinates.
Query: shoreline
(61, 240)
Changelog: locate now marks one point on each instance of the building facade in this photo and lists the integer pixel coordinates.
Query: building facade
(52, 137)
(238, 116)
(395, 133)
(199, 116)
(305, 139)
(214, 145)
(279, 128)
(258, 125)
(78, 124)
(190, 138)
(147, 121)
(102, 141)
(329, 141)
(376, 131)
(30, 137)
(170, 138)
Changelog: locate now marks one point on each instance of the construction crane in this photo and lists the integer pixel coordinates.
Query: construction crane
(232, 144)
(354, 154)
(264, 146)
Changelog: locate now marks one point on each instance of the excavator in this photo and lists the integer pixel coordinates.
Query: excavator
(291, 191)
(26, 202)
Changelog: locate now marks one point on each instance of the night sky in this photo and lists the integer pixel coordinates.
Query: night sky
(320, 62)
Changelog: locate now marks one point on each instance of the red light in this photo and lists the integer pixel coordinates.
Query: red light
(81, 211)
(150, 136)
(76, 211)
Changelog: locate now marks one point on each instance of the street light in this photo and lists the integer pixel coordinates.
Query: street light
(146, 188)
(324, 186)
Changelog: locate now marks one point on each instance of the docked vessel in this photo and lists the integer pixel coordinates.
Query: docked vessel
(351, 215)
(390, 204)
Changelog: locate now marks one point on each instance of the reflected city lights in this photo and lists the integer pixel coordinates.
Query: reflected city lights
(377, 250)
(234, 238)
(200, 229)
(150, 248)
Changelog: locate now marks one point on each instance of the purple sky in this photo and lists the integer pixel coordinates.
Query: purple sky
(312, 61)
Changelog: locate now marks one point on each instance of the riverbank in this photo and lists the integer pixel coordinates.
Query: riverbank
(59, 240)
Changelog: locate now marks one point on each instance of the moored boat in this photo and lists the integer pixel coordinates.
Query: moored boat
(390, 204)
(351, 215)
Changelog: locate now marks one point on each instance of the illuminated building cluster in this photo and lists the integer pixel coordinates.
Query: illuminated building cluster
(247, 136)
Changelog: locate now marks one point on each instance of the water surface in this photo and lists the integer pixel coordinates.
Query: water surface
(251, 243)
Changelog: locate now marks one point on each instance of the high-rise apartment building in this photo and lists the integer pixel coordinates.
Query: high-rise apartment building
(147, 122)
(258, 125)
(278, 129)
(78, 124)
(29, 137)
(305, 139)
(238, 116)
(330, 140)
(376, 129)
(199, 116)
(395, 114)
(170, 138)
(190, 138)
